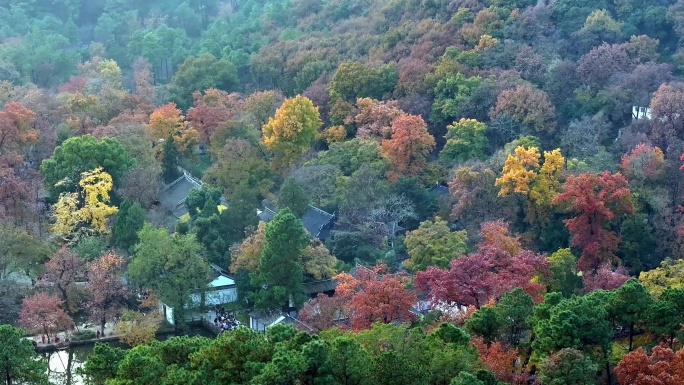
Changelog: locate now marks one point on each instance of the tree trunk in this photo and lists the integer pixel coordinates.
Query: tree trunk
(67, 371)
(631, 336)
(8, 379)
(608, 376)
(529, 351)
(63, 292)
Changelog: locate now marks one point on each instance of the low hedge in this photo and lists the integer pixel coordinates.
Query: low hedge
(83, 335)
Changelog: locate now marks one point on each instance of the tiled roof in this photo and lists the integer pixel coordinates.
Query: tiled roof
(180, 211)
(276, 318)
(440, 189)
(300, 325)
(266, 214)
(174, 195)
(265, 318)
(320, 286)
(315, 220)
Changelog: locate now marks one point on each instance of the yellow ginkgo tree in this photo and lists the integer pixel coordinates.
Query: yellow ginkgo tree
(670, 274)
(538, 183)
(87, 210)
(292, 131)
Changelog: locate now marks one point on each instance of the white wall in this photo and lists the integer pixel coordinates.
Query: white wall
(218, 297)
(169, 312)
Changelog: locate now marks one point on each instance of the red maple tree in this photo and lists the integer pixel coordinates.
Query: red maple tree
(212, 110)
(76, 84)
(15, 134)
(373, 295)
(643, 163)
(15, 191)
(375, 118)
(596, 199)
(662, 367)
(484, 275)
(62, 270)
(106, 288)
(43, 313)
(500, 360)
(605, 278)
(322, 311)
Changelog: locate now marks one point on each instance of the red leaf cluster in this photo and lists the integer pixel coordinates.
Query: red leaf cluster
(662, 367)
(500, 360)
(322, 312)
(106, 288)
(597, 199)
(605, 278)
(63, 270)
(375, 118)
(487, 274)
(15, 133)
(212, 110)
(643, 163)
(370, 296)
(75, 85)
(43, 313)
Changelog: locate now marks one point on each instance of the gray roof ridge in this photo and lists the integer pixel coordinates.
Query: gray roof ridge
(321, 211)
(168, 186)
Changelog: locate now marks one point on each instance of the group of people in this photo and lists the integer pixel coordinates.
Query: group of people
(224, 321)
(48, 339)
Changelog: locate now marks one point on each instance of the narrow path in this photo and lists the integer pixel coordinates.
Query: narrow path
(66, 336)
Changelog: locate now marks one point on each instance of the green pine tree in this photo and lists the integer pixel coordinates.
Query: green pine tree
(240, 216)
(280, 274)
(129, 221)
(170, 170)
(292, 196)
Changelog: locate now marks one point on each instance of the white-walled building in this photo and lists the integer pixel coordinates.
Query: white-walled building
(220, 291)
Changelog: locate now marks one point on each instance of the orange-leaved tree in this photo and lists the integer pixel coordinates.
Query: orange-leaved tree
(16, 134)
(500, 360)
(247, 255)
(168, 121)
(374, 295)
(497, 234)
(409, 146)
(662, 367)
(644, 164)
(15, 127)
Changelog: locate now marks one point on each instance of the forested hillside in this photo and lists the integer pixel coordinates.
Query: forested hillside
(475, 191)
